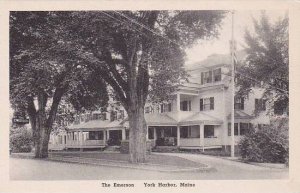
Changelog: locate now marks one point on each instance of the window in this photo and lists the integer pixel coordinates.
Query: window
(229, 129)
(150, 132)
(209, 131)
(113, 116)
(165, 107)
(260, 104)
(207, 104)
(190, 131)
(185, 106)
(244, 128)
(236, 129)
(103, 116)
(206, 77)
(239, 103)
(95, 135)
(127, 134)
(96, 116)
(217, 74)
(121, 114)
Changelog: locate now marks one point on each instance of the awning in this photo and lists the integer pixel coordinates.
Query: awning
(201, 118)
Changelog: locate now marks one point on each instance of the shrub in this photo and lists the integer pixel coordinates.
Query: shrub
(269, 144)
(20, 140)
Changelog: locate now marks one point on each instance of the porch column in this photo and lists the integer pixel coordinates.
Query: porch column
(80, 137)
(104, 135)
(123, 134)
(202, 135)
(154, 133)
(147, 133)
(107, 134)
(178, 135)
(178, 102)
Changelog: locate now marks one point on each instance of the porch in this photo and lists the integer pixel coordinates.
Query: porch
(186, 137)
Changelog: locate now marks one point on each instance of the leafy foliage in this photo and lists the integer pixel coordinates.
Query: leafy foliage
(269, 144)
(20, 140)
(267, 60)
(75, 55)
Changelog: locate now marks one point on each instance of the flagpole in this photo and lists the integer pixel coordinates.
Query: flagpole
(233, 86)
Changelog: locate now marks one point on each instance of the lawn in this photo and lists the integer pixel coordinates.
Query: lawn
(152, 158)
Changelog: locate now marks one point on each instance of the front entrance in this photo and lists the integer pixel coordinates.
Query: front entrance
(115, 137)
(166, 136)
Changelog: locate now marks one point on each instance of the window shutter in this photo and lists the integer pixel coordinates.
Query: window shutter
(242, 103)
(170, 107)
(256, 104)
(189, 106)
(202, 77)
(201, 104)
(211, 103)
(210, 76)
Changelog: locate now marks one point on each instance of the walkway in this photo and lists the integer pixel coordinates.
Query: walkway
(229, 169)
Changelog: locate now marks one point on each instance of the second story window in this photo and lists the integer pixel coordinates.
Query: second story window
(239, 103)
(211, 76)
(260, 104)
(165, 107)
(113, 115)
(185, 106)
(207, 104)
(206, 77)
(217, 74)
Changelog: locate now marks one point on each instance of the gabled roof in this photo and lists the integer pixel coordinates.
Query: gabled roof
(238, 114)
(159, 119)
(201, 117)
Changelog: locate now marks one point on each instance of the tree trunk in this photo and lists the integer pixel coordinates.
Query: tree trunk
(41, 143)
(137, 135)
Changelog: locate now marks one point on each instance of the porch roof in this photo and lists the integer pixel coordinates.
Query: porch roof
(97, 124)
(201, 117)
(159, 119)
(238, 114)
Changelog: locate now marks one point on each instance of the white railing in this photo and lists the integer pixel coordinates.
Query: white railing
(212, 141)
(85, 143)
(93, 142)
(189, 142)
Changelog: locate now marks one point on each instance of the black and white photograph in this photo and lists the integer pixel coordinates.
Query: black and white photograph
(168, 97)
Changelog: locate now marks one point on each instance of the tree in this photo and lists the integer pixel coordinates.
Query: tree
(140, 54)
(134, 52)
(267, 60)
(42, 73)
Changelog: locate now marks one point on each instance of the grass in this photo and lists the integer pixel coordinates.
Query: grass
(152, 159)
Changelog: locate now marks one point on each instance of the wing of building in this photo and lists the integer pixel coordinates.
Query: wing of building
(198, 117)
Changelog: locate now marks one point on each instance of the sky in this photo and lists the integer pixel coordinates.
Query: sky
(242, 20)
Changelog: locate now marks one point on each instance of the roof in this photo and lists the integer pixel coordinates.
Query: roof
(98, 124)
(238, 114)
(159, 119)
(215, 60)
(201, 117)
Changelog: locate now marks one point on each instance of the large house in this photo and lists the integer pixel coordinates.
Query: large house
(199, 117)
